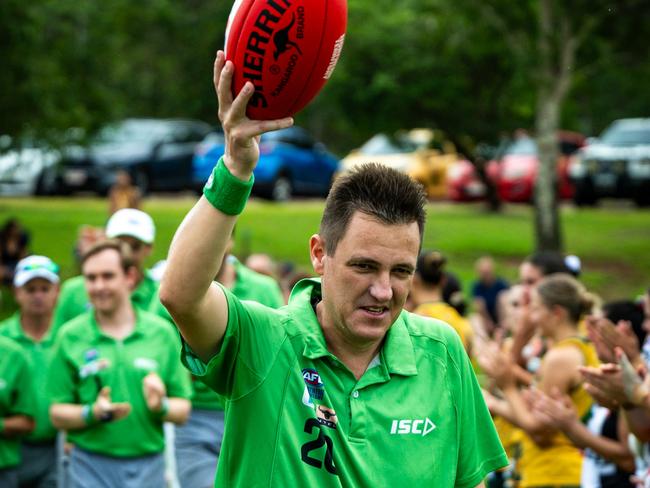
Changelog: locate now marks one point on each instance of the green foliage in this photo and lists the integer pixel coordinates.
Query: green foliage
(438, 63)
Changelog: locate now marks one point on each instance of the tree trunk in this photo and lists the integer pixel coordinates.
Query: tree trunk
(547, 220)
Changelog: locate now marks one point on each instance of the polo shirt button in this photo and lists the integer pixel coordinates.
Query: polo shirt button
(355, 394)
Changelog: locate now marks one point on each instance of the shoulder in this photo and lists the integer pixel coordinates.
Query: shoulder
(432, 335)
(564, 355)
(75, 328)
(8, 326)
(72, 284)
(9, 346)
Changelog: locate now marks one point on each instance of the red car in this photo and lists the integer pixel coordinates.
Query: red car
(515, 172)
(464, 185)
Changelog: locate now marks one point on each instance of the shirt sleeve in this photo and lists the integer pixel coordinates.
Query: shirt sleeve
(480, 451)
(253, 337)
(24, 394)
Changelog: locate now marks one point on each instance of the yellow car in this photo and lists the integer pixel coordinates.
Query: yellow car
(423, 154)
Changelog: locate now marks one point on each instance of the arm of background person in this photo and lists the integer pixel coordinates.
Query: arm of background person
(179, 410)
(197, 305)
(16, 426)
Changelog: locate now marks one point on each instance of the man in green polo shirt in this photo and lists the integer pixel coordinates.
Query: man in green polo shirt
(115, 378)
(342, 387)
(137, 229)
(198, 442)
(17, 408)
(36, 288)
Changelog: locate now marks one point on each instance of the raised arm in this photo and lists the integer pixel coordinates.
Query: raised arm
(197, 305)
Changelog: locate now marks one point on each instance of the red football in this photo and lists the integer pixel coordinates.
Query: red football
(287, 48)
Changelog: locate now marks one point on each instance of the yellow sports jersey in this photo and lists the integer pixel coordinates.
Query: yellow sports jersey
(561, 462)
(448, 314)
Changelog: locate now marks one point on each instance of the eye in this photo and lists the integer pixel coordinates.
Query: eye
(364, 267)
(403, 272)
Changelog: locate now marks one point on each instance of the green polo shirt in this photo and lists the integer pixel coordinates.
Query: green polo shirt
(40, 354)
(16, 395)
(298, 417)
(249, 285)
(85, 360)
(73, 299)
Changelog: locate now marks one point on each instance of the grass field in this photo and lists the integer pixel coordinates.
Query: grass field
(613, 243)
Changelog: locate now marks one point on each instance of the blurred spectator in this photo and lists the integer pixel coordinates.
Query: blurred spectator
(36, 288)
(14, 245)
(486, 290)
(123, 193)
(290, 280)
(427, 295)
(87, 236)
(263, 264)
(137, 229)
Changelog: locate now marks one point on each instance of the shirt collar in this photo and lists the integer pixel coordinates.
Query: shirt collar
(397, 351)
(15, 331)
(137, 330)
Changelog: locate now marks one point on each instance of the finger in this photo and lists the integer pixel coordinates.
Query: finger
(238, 107)
(258, 127)
(219, 61)
(224, 88)
(105, 393)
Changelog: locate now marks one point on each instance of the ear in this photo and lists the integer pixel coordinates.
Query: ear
(132, 277)
(317, 253)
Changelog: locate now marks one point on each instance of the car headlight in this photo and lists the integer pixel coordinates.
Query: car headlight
(639, 168)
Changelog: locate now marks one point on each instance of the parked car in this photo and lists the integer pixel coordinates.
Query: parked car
(464, 185)
(515, 170)
(291, 163)
(615, 165)
(28, 163)
(423, 154)
(157, 153)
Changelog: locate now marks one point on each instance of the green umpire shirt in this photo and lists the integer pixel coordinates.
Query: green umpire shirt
(16, 395)
(39, 354)
(298, 417)
(249, 285)
(73, 299)
(85, 360)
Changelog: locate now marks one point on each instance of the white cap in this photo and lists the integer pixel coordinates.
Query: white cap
(33, 267)
(573, 263)
(133, 223)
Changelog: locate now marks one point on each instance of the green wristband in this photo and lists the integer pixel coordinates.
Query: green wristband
(87, 414)
(226, 192)
(2, 425)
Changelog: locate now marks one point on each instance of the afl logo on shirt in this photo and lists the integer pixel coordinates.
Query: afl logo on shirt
(314, 384)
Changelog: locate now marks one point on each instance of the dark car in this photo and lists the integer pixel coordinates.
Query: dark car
(291, 163)
(616, 165)
(156, 153)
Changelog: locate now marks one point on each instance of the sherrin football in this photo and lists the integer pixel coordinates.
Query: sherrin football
(288, 49)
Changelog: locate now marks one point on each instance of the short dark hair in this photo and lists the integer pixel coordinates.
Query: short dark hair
(122, 248)
(431, 267)
(548, 262)
(380, 192)
(630, 311)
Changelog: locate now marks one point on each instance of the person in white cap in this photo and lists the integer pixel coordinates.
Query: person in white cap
(36, 288)
(137, 229)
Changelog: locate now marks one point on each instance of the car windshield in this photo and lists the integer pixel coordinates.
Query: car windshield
(627, 135)
(131, 131)
(525, 146)
(382, 144)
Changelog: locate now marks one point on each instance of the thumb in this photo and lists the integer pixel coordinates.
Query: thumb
(105, 393)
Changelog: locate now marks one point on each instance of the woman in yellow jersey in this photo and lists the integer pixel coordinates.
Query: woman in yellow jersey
(549, 458)
(426, 295)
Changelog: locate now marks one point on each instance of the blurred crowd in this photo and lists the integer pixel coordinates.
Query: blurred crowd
(81, 398)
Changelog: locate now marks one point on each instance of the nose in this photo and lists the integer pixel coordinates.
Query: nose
(381, 289)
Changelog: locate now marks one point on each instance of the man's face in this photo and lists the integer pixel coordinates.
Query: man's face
(37, 297)
(367, 280)
(140, 251)
(108, 285)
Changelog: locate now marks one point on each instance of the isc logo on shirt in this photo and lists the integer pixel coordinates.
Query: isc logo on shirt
(416, 426)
